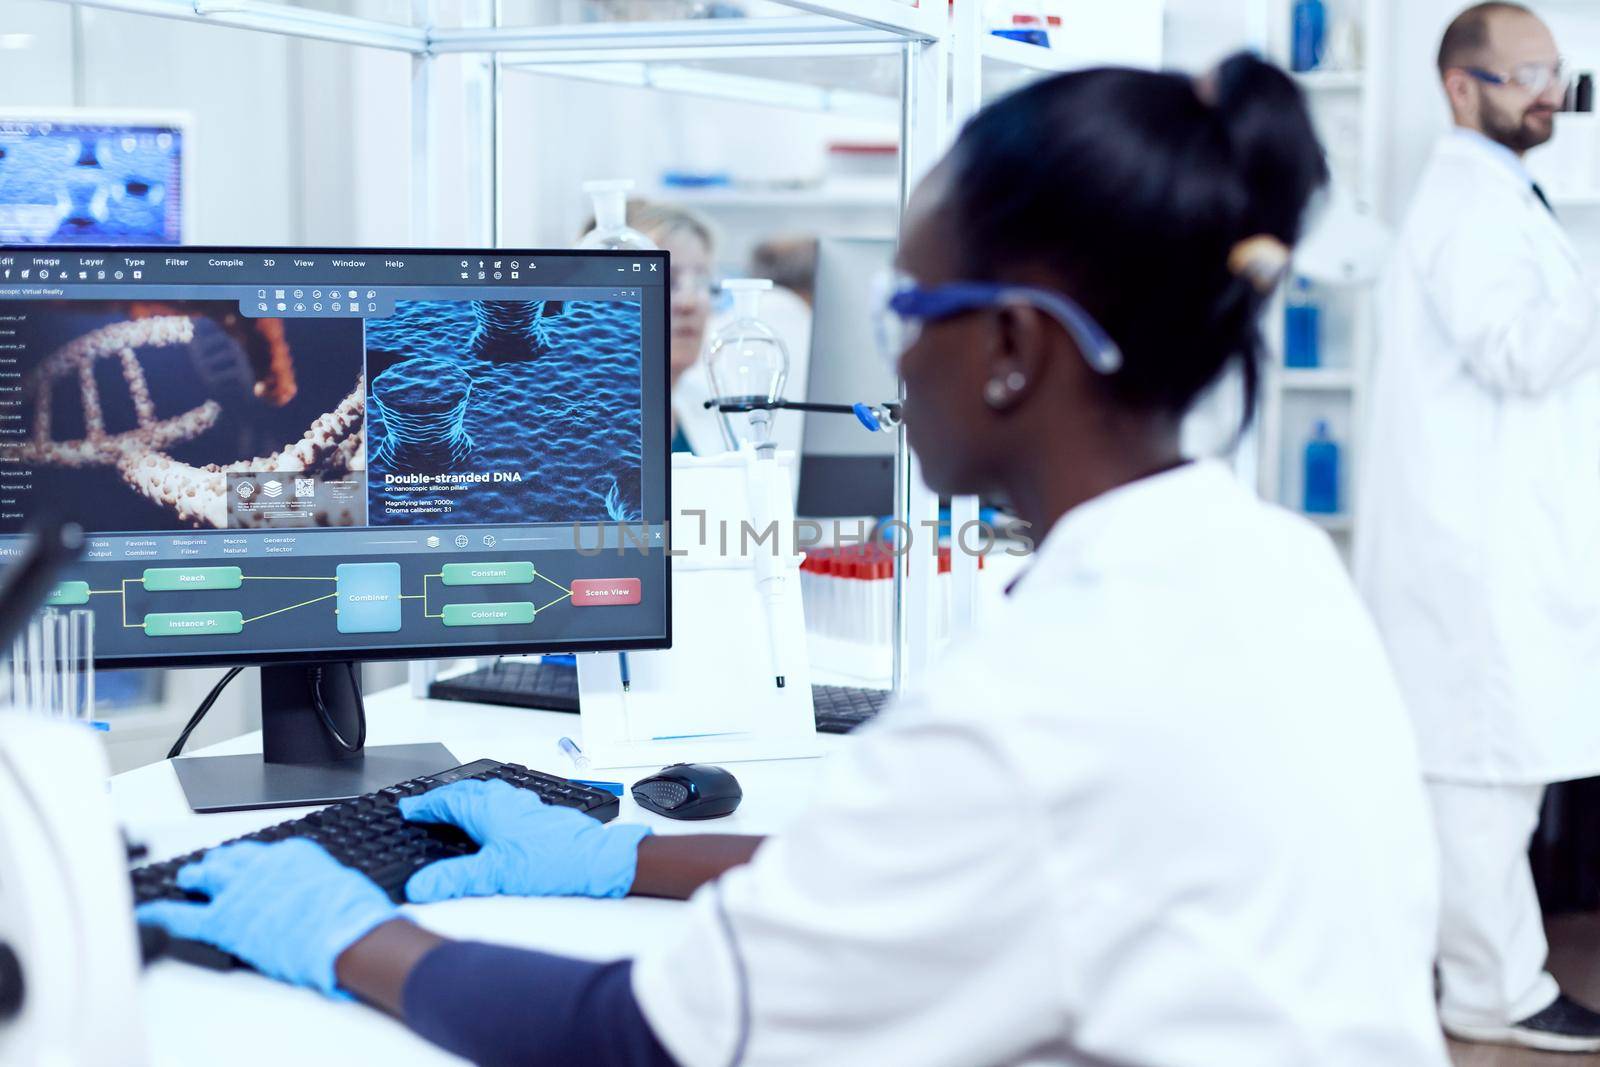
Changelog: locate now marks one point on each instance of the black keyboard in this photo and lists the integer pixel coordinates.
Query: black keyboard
(521, 684)
(369, 834)
(554, 687)
(841, 708)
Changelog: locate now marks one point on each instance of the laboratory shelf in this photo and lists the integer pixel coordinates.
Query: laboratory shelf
(590, 42)
(838, 192)
(1021, 54)
(1574, 198)
(902, 17)
(806, 62)
(1339, 523)
(1331, 81)
(795, 92)
(1347, 108)
(287, 19)
(1318, 379)
(820, 24)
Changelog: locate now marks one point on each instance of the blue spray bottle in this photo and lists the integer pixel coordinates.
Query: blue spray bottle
(1322, 472)
(1302, 326)
(1310, 27)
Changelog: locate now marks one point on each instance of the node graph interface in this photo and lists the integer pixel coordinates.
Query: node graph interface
(281, 451)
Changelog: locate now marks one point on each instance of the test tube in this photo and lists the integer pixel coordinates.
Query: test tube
(36, 666)
(44, 673)
(54, 705)
(16, 681)
(80, 664)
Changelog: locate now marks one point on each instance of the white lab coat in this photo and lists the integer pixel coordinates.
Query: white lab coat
(1163, 810)
(1478, 534)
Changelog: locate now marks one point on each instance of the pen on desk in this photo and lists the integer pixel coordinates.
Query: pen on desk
(622, 665)
(574, 753)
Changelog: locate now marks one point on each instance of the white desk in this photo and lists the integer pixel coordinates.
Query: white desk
(195, 1016)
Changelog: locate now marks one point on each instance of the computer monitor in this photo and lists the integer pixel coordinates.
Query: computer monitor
(303, 458)
(94, 177)
(844, 470)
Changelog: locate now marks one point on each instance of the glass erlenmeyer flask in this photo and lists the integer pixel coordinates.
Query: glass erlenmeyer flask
(611, 229)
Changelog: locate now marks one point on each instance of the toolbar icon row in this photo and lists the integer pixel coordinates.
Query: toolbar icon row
(268, 307)
(44, 275)
(316, 294)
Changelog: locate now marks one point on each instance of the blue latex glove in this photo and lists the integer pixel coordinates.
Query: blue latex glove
(526, 847)
(288, 909)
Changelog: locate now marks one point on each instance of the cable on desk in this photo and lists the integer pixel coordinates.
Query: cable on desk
(200, 712)
(327, 717)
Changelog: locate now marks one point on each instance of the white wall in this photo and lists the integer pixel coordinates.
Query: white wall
(1200, 32)
(40, 74)
(1417, 113)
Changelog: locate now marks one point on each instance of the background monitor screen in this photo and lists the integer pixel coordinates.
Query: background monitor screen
(67, 179)
(303, 454)
(845, 471)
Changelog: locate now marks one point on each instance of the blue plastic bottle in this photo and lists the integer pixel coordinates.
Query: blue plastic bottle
(1322, 473)
(1302, 327)
(1310, 27)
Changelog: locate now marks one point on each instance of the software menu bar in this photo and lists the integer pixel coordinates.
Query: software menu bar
(211, 267)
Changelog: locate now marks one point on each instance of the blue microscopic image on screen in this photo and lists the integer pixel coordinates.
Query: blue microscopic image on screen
(504, 412)
(88, 183)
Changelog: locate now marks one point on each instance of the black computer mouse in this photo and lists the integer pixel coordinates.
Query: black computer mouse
(689, 791)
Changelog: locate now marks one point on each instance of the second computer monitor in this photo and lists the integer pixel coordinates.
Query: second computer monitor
(70, 176)
(844, 470)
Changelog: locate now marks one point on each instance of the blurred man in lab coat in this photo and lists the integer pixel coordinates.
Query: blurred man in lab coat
(1479, 547)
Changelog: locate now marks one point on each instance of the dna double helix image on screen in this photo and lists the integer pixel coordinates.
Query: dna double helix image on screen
(501, 411)
(170, 415)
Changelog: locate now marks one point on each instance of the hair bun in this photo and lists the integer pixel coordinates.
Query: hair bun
(1112, 183)
(1269, 131)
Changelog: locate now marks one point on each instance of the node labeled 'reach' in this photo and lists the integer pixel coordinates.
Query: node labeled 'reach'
(369, 598)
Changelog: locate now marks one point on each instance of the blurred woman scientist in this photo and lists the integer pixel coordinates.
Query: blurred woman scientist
(691, 240)
(1165, 812)
(692, 243)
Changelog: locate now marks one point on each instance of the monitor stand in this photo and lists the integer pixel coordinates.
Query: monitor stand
(300, 762)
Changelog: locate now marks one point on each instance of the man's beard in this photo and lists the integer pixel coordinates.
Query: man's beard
(1516, 132)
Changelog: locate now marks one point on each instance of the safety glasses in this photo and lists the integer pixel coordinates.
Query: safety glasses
(692, 282)
(1536, 78)
(906, 307)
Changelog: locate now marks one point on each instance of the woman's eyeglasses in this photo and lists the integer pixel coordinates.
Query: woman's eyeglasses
(691, 282)
(906, 307)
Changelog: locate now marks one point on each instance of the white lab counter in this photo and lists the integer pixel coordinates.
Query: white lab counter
(201, 1017)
